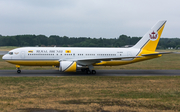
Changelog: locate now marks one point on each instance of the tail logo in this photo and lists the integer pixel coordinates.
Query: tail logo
(153, 36)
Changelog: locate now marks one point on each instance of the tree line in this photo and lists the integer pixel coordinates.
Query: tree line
(55, 40)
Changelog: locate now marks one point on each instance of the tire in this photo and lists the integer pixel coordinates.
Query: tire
(18, 71)
(88, 72)
(83, 70)
(93, 71)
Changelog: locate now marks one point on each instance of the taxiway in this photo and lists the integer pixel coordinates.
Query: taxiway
(53, 73)
(3, 52)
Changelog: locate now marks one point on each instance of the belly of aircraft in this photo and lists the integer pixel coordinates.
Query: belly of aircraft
(35, 62)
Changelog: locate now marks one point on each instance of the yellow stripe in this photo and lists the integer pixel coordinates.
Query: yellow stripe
(72, 68)
(35, 62)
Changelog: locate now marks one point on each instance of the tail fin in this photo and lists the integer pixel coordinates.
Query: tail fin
(150, 40)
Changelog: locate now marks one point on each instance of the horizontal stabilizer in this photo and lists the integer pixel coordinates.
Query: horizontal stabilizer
(157, 53)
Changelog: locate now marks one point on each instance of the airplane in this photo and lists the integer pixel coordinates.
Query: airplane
(72, 59)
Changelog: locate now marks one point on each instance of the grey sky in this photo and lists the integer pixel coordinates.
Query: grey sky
(89, 18)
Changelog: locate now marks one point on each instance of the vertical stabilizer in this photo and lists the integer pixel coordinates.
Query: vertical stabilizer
(150, 40)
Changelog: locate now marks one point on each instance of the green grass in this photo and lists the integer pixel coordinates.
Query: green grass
(7, 48)
(90, 93)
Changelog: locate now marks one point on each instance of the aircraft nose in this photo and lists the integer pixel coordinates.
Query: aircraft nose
(4, 57)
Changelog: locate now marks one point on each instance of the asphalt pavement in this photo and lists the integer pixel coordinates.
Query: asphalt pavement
(54, 73)
(3, 52)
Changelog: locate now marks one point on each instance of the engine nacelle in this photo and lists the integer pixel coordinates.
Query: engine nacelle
(68, 66)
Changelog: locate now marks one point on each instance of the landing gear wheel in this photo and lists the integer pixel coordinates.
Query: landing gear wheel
(88, 72)
(18, 71)
(83, 70)
(93, 71)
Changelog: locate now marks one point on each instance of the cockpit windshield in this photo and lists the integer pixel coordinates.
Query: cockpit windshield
(10, 53)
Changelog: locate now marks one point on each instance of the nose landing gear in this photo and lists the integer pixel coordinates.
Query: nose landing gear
(18, 69)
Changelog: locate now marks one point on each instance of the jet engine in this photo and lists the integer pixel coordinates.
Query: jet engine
(68, 66)
(72, 66)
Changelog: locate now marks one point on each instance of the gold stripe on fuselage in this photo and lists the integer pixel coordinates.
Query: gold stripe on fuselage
(35, 62)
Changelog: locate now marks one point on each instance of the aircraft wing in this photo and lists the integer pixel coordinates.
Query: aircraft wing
(110, 58)
(90, 61)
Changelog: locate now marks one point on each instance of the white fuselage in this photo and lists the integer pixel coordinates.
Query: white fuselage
(59, 53)
(38, 55)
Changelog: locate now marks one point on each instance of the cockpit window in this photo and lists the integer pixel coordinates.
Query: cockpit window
(11, 53)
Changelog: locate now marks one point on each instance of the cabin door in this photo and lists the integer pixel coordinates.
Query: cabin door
(22, 54)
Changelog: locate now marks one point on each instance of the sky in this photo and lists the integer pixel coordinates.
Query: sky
(88, 18)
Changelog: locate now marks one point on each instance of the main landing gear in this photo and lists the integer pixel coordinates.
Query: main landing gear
(18, 69)
(88, 71)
